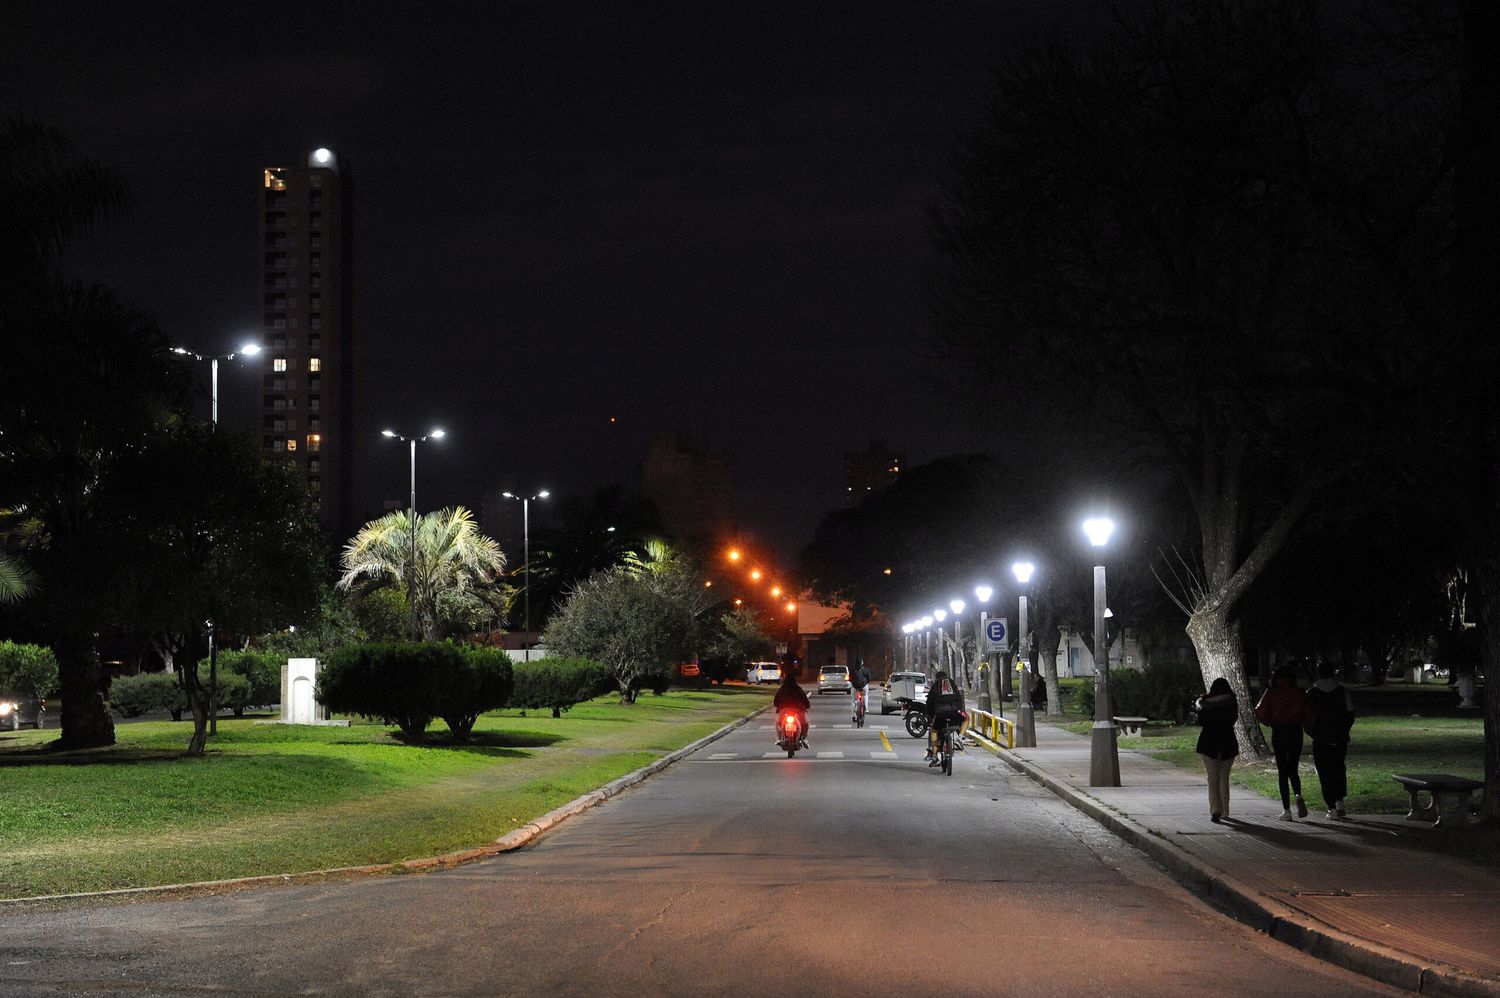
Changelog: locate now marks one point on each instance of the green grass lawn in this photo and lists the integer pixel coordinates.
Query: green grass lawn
(279, 799)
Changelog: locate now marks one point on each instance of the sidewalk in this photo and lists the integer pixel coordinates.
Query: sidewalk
(1337, 889)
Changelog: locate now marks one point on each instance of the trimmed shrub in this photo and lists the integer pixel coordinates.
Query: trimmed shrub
(261, 675)
(484, 684)
(132, 696)
(559, 683)
(408, 683)
(1161, 691)
(27, 670)
(234, 689)
(394, 682)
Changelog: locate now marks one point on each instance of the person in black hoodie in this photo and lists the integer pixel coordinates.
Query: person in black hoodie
(1218, 709)
(1332, 711)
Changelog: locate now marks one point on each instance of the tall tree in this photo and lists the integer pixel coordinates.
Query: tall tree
(589, 534)
(196, 527)
(84, 378)
(1198, 237)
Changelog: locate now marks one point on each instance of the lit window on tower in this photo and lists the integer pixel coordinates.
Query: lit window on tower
(314, 442)
(314, 364)
(274, 181)
(291, 444)
(278, 364)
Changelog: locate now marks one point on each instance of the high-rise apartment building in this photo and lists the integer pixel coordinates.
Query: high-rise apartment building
(693, 489)
(869, 471)
(307, 328)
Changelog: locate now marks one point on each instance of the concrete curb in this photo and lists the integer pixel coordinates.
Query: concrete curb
(509, 842)
(1363, 956)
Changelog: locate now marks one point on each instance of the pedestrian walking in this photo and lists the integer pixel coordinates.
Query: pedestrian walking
(1332, 716)
(1286, 709)
(1218, 710)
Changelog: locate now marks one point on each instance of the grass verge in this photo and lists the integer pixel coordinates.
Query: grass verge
(278, 799)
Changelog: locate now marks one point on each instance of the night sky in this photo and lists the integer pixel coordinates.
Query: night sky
(704, 216)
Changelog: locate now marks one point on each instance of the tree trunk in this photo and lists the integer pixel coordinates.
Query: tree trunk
(1216, 638)
(556, 712)
(197, 700)
(1046, 653)
(85, 718)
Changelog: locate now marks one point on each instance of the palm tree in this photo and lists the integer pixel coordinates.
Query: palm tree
(599, 531)
(15, 579)
(452, 559)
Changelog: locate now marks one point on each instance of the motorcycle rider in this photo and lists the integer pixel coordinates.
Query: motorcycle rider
(859, 679)
(790, 696)
(945, 705)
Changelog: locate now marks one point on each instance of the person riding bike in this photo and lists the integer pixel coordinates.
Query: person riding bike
(792, 697)
(859, 679)
(945, 706)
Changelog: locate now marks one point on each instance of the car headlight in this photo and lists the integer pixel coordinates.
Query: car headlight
(6, 708)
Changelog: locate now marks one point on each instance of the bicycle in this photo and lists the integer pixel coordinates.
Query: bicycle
(859, 709)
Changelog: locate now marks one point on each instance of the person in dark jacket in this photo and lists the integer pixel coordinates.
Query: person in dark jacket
(791, 696)
(945, 705)
(1284, 707)
(1218, 709)
(1332, 715)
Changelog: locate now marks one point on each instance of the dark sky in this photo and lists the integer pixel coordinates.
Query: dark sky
(706, 216)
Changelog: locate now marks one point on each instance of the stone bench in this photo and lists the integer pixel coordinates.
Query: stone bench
(1448, 797)
(1131, 727)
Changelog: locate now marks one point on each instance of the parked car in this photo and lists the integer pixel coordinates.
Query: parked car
(834, 679)
(18, 711)
(763, 672)
(689, 670)
(912, 685)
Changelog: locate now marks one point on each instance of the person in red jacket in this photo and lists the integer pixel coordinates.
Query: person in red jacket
(1286, 709)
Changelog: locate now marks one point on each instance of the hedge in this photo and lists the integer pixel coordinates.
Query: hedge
(559, 683)
(132, 696)
(408, 683)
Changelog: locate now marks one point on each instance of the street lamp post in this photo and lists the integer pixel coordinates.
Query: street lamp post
(927, 661)
(1104, 750)
(411, 566)
(939, 615)
(982, 596)
(248, 350)
(961, 661)
(1025, 715)
(525, 502)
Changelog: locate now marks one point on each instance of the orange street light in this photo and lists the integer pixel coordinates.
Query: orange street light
(755, 575)
(887, 571)
(775, 591)
(734, 554)
(791, 607)
(708, 583)
(739, 602)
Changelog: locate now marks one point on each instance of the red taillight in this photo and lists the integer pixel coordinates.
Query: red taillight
(790, 723)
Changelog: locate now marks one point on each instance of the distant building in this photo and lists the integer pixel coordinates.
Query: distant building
(869, 471)
(306, 223)
(692, 488)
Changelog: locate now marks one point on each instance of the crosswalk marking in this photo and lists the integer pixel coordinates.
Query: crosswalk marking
(724, 755)
(830, 755)
(883, 755)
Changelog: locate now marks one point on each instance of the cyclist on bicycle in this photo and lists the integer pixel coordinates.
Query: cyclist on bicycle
(945, 706)
(791, 696)
(859, 679)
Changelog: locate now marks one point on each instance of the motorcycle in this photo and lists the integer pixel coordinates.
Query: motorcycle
(916, 717)
(790, 730)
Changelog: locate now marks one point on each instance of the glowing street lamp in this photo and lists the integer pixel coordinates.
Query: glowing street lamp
(526, 502)
(437, 433)
(1104, 748)
(755, 575)
(1025, 715)
(734, 554)
(982, 596)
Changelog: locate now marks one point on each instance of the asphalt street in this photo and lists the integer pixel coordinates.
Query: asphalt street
(848, 870)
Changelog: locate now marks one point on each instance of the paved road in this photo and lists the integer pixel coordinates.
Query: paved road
(731, 873)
